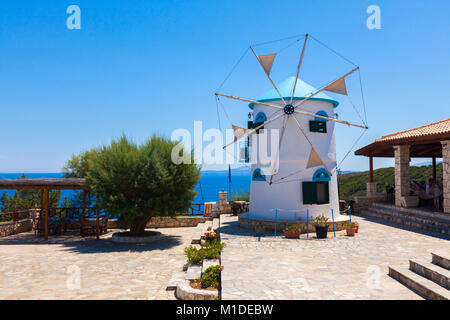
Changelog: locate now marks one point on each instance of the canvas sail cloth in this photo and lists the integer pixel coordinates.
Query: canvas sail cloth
(239, 132)
(337, 86)
(266, 61)
(315, 160)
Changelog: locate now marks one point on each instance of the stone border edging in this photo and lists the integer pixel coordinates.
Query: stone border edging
(118, 239)
(186, 292)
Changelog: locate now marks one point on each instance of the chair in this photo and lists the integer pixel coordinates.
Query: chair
(86, 227)
(104, 225)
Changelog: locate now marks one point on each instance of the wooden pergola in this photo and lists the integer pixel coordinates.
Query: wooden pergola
(423, 142)
(47, 184)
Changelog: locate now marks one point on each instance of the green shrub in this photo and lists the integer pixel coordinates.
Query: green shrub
(320, 221)
(241, 196)
(295, 227)
(194, 255)
(211, 277)
(211, 251)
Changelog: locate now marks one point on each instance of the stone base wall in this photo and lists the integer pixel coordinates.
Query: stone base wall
(269, 225)
(362, 203)
(15, 227)
(169, 222)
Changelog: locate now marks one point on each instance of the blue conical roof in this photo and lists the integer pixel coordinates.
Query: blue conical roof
(302, 90)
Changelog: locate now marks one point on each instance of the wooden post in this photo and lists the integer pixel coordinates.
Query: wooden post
(97, 214)
(370, 169)
(41, 214)
(434, 169)
(84, 203)
(46, 214)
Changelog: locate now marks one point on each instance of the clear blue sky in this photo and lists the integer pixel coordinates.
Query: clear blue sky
(143, 67)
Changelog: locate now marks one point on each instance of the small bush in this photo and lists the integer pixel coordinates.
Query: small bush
(211, 251)
(211, 277)
(194, 255)
(320, 221)
(295, 227)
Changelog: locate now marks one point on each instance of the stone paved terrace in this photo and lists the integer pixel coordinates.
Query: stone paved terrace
(336, 268)
(33, 269)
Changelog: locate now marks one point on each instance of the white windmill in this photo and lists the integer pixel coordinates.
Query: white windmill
(302, 176)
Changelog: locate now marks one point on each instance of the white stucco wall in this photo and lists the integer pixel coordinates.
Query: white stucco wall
(286, 195)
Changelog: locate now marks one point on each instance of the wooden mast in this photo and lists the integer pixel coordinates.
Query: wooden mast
(97, 214)
(46, 214)
(434, 169)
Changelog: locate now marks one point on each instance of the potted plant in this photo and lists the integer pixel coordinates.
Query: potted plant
(356, 224)
(350, 228)
(321, 225)
(210, 236)
(293, 231)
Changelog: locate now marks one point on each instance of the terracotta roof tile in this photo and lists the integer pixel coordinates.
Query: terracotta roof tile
(439, 127)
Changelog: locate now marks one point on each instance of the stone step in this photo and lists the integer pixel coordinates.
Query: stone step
(177, 277)
(406, 222)
(424, 287)
(216, 224)
(198, 233)
(208, 263)
(441, 259)
(193, 272)
(436, 220)
(420, 211)
(431, 271)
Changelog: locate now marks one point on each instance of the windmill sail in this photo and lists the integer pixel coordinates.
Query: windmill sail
(337, 86)
(266, 61)
(238, 132)
(314, 159)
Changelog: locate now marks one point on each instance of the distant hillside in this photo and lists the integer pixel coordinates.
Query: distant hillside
(354, 184)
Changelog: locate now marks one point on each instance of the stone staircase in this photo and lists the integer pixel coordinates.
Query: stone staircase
(431, 280)
(419, 219)
(202, 228)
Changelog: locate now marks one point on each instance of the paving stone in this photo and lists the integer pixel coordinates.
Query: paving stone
(335, 268)
(34, 269)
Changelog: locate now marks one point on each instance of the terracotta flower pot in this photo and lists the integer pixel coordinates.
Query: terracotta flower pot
(351, 231)
(357, 228)
(292, 234)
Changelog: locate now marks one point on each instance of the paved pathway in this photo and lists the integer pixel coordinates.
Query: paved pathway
(336, 268)
(33, 269)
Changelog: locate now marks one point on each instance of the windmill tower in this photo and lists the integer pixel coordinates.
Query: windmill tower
(301, 176)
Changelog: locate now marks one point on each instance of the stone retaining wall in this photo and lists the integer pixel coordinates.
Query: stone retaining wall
(362, 203)
(15, 227)
(269, 225)
(169, 222)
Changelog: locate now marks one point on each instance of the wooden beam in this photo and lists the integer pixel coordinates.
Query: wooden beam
(46, 214)
(84, 203)
(434, 169)
(370, 169)
(97, 214)
(41, 214)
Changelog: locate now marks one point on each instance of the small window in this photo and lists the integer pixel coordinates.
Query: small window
(316, 192)
(258, 175)
(318, 126)
(259, 119)
(323, 114)
(321, 175)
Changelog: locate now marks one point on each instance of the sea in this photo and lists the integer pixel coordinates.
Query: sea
(208, 188)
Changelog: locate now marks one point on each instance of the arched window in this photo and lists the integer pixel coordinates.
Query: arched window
(318, 124)
(258, 175)
(323, 114)
(260, 117)
(321, 175)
